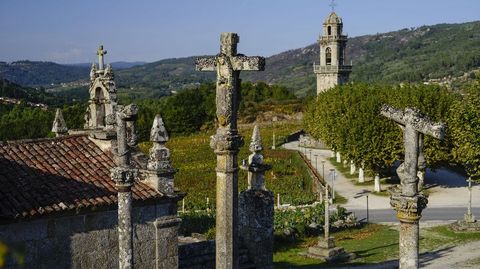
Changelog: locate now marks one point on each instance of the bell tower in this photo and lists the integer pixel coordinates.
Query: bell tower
(332, 69)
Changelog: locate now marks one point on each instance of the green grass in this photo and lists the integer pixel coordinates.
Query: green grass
(372, 243)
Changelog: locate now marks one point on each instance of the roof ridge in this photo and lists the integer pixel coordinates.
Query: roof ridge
(42, 139)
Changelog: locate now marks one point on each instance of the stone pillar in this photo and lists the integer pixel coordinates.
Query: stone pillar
(422, 164)
(361, 175)
(377, 187)
(469, 217)
(124, 176)
(226, 142)
(256, 209)
(339, 157)
(353, 168)
(59, 126)
(166, 242)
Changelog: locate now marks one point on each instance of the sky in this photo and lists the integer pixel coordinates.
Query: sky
(149, 30)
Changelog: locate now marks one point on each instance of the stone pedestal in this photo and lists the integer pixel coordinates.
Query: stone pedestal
(256, 226)
(166, 242)
(326, 250)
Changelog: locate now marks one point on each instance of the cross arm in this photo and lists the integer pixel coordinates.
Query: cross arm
(254, 63)
(414, 118)
(206, 64)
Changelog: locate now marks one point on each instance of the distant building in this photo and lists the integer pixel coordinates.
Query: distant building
(332, 69)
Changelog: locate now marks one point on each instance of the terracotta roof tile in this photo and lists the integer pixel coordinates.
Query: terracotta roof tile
(38, 177)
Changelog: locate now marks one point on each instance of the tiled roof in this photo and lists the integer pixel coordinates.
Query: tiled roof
(40, 177)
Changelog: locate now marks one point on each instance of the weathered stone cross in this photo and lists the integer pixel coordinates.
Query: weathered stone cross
(226, 142)
(100, 53)
(409, 203)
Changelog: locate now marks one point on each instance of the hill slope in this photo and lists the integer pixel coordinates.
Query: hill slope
(32, 73)
(416, 54)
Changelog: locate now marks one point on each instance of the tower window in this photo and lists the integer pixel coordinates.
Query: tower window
(329, 30)
(328, 56)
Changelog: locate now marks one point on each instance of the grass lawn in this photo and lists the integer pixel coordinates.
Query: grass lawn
(372, 243)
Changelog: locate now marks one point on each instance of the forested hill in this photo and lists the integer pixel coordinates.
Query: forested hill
(33, 73)
(418, 54)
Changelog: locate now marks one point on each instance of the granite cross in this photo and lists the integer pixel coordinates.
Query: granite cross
(408, 202)
(100, 53)
(226, 142)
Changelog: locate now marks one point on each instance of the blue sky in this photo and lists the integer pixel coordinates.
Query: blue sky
(148, 30)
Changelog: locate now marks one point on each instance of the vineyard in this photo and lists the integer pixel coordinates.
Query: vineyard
(196, 162)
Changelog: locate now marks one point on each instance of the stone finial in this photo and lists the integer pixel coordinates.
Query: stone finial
(93, 71)
(108, 71)
(161, 172)
(256, 144)
(59, 125)
(158, 133)
(255, 166)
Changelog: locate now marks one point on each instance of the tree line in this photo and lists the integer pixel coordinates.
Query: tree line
(347, 119)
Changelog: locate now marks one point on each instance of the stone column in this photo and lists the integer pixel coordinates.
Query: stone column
(256, 209)
(124, 176)
(377, 187)
(226, 142)
(353, 168)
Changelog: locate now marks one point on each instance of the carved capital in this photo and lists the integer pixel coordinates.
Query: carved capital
(409, 209)
(123, 177)
(226, 142)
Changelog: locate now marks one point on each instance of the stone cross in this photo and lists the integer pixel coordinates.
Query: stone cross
(226, 142)
(100, 53)
(59, 126)
(469, 217)
(408, 202)
(124, 176)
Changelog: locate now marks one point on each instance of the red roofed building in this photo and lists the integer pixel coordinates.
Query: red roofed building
(58, 202)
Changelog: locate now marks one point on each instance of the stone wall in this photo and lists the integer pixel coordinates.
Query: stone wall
(91, 240)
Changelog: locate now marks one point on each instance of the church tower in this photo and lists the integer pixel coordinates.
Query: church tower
(332, 69)
(103, 95)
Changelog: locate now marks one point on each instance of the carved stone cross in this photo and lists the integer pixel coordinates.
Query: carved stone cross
(414, 124)
(100, 53)
(226, 142)
(409, 203)
(228, 65)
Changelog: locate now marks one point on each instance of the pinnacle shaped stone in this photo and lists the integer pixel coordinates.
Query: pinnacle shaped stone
(158, 132)
(59, 125)
(256, 144)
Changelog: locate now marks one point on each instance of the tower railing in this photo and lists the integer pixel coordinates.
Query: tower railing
(331, 68)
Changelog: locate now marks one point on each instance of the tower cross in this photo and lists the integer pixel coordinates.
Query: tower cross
(100, 53)
(226, 142)
(333, 5)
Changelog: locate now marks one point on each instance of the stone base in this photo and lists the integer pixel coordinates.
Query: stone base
(326, 250)
(469, 218)
(463, 226)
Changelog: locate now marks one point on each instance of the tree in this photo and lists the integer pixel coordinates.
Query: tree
(464, 127)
